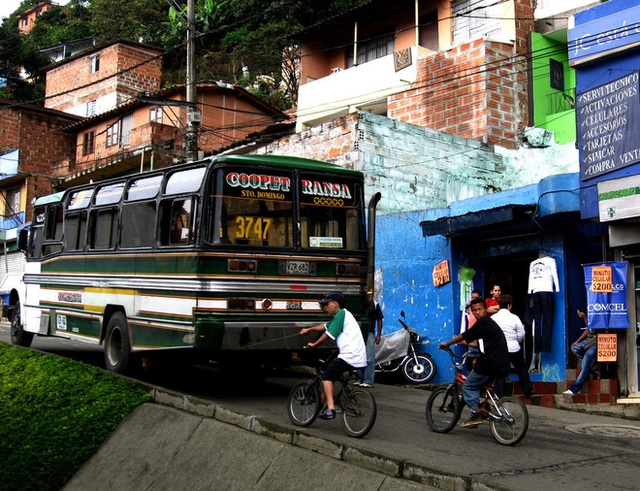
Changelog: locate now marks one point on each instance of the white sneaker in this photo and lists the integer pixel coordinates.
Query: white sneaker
(568, 393)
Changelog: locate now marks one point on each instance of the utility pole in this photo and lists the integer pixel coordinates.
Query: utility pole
(193, 116)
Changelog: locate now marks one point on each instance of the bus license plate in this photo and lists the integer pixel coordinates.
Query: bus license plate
(305, 268)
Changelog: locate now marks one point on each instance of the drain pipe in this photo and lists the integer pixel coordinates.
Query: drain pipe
(371, 239)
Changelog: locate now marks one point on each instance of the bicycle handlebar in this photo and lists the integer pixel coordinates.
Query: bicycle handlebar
(453, 356)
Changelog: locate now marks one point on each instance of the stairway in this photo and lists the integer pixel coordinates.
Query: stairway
(595, 391)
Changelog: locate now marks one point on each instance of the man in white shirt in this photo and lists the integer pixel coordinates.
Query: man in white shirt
(513, 330)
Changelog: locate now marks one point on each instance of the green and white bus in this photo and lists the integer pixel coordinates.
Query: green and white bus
(225, 257)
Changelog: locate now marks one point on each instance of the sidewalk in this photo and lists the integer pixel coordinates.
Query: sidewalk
(186, 442)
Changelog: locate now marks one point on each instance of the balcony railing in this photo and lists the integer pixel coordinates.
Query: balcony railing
(356, 88)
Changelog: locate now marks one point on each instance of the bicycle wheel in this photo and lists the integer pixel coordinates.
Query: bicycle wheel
(359, 413)
(420, 372)
(510, 427)
(303, 404)
(443, 410)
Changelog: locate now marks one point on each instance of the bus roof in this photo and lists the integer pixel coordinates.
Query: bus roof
(51, 198)
(285, 161)
(248, 160)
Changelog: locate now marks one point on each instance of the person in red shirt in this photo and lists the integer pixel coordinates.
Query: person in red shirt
(492, 303)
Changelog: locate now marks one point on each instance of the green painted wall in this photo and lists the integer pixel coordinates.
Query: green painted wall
(551, 110)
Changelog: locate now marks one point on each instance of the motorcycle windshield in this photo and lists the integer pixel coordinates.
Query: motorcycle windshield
(392, 346)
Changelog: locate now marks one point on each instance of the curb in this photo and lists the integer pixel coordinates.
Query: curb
(379, 463)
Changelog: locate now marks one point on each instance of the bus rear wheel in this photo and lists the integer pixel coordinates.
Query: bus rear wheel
(19, 336)
(117, 345)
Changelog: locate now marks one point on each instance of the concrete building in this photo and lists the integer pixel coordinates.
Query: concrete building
(474, 153)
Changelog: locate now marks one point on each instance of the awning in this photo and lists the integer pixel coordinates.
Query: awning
(516, 218)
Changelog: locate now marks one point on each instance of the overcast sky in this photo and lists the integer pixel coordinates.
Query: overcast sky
(8, 7)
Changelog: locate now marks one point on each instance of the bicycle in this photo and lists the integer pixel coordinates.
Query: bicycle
(357, 407)
(508, 416)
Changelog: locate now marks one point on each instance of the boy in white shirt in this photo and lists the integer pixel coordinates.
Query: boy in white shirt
(345, 330)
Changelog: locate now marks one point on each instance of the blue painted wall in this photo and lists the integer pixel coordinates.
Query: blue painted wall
(405, 260)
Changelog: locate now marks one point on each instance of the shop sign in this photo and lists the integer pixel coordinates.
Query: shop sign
(441, 274)
(608, 120)
(603, 36)
(607, 347)
(606, 285)
(619, 198)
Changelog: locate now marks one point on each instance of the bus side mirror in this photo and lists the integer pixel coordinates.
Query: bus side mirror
(23, 239)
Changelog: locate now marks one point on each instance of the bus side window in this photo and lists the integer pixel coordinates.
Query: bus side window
(75, 235)
(103, 228)
(35, 242)
(138, 224)
(52, 242)
(176, 222)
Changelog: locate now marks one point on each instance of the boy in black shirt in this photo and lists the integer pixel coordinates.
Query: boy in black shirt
(493, 361)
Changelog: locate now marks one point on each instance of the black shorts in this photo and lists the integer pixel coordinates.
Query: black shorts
(335, 369)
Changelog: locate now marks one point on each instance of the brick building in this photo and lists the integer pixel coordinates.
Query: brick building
(32, 146)
(27, 19)
(101, 78)
(149, 132)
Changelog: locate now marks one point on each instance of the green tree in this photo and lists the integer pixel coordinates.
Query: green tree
(136, 20)
(60, 25)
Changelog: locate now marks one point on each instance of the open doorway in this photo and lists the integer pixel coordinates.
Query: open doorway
(511, 272)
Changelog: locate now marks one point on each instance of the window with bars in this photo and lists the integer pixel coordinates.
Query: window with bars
(112, 134)
(12, 204)
(473, 19)
(88, 142)
(155, 115)
(95, 63)
(91, 108)
(371, 49)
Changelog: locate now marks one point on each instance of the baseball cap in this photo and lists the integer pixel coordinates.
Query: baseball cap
(337, 296)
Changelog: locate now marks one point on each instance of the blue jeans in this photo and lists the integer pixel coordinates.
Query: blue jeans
(588, 357)
(472, 388)
(368, 373)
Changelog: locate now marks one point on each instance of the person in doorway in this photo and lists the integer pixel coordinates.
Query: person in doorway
(492, 302)
(366, 375)
(513, 330)
(468, 321)
(352, 353)
(492, 363)
(585, 348)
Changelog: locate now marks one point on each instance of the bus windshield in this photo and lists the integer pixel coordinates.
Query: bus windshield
(257, 209)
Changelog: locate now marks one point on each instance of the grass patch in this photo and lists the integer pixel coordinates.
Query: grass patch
(54, 415)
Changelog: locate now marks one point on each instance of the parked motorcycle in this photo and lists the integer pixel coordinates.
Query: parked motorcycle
(397, 352)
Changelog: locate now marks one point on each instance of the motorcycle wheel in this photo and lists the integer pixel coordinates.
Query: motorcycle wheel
(420, 372)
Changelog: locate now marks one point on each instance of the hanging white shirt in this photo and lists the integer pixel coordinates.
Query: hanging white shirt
(543, 275)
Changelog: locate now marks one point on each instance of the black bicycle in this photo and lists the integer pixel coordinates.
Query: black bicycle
(508, 416)
(356, 407)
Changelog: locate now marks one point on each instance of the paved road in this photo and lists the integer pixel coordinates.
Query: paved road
(562, 450)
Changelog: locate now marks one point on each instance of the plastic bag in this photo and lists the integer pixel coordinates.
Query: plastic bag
(392, 346)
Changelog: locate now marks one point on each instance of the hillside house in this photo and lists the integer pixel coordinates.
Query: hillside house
(27, 19)
(100, 78)
(32, 147)
(149, 131)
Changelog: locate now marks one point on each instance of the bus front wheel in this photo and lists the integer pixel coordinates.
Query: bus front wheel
(117, 345)
(19, 336)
